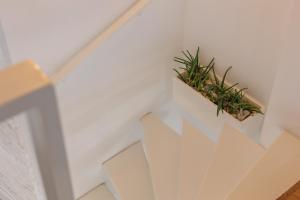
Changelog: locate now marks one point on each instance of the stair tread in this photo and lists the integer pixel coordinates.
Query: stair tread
(196, 154)
(129, 174)
(99, 193)
(163, 152)
(274, 174)
(234, 157)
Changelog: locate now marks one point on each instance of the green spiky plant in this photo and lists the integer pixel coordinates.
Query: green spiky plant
(195, 74)
(204, 79)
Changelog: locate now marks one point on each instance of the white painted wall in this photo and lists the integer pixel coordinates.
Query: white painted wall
(246, 34)
(284, 108)
(103, 98)
(260, 39)
(49, 32)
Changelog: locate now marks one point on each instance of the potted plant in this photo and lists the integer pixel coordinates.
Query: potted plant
(212, 98)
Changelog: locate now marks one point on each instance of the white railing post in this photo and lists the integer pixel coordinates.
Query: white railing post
(24, 88)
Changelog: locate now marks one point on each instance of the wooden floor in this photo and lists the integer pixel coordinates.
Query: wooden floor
(292, 194)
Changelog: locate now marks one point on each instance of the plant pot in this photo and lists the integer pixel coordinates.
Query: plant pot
(205, 111)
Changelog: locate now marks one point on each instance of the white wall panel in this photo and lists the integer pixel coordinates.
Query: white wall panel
(284, 108)
(247, 35)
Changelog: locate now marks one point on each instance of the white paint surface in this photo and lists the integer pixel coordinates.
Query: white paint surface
(122, 80)
(205, 112)
(117, 84)
(25, 88)
(99, 193)
(17, 178)
(284, 108)
(102, 99)
(4, 54)
(245, 34)
(163, 147)
(51, 31)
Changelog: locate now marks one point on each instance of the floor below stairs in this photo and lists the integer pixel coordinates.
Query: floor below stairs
(292, 194)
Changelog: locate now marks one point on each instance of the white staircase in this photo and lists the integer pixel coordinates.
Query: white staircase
(278, 170)
(197, 151)
(101, 192)
(129, 174)
(163, 152)
(234, 157)
(170, 166)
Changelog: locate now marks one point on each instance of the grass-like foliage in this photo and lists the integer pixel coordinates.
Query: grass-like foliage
(204, 79)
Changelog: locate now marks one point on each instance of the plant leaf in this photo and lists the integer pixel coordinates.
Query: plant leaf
(179, 75)
(224, 77)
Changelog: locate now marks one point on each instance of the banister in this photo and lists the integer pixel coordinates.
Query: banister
(96, 42)
(25, 88)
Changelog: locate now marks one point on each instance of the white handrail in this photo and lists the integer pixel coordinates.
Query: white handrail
(25, 88)
(96, 42)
